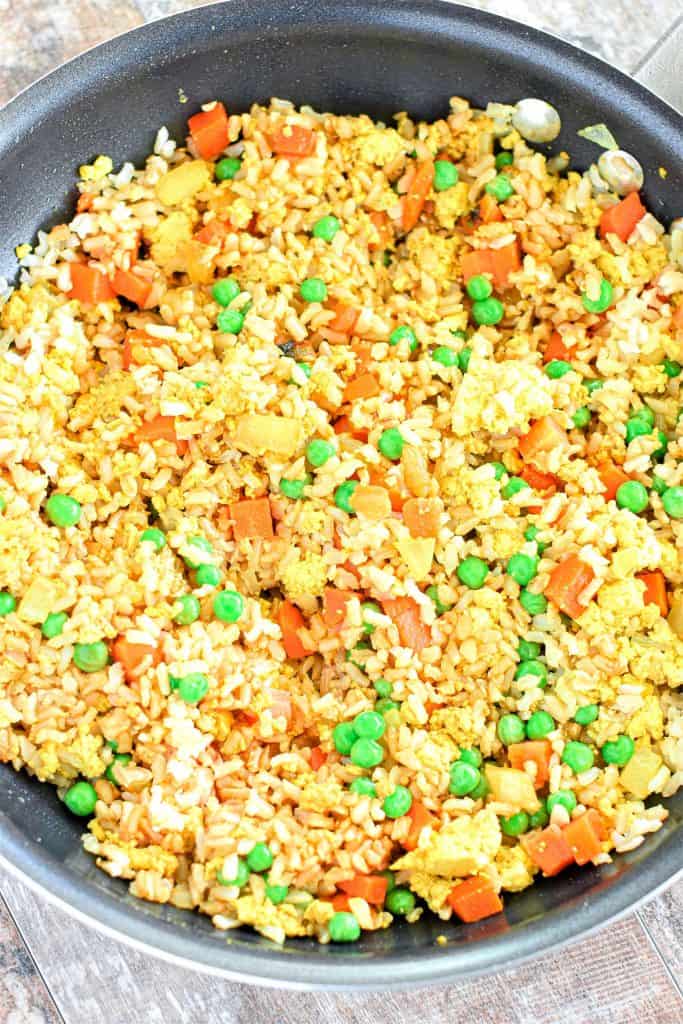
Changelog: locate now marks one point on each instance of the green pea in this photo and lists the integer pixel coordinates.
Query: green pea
(488, 312)
(618, 751)
(481, 790)
(672, 501)
(510, 729)
(562, 798)
(533, 668)
(8, 603)
(531, 534)
(578, 756)
(603, 301)
(582, 417)
(313, 289)
(398, 802)
(343, 495)
(539, 725)
(658, 485)
(592, 385)
(527, 650)
(383, 687)
(228, 605)
(557, 368)
(503, 159)
(470, 756)
(153, 536)
(479, 287)
(464, 357)
(326, 228)
(499, 470)
(3, 504)
(404, 333)
(277, 893)
(259, 858)
(445, 356)
(433, 593)
(514, 485)
(201, 544)
(391, 443)
(464, 778)
(672, 368)
(385, 705)
(522, 568)
(54, 625)
(472, 572)
(533, 604)
(207, 576)
(500, 188)
(587, 714)
(241, 876)
(363, 787)
(343, 927)
(81, 799)
(225, 290)
(539, 818)
(319, 451)
(369, 725)
(633, 496)
(117, 759)
(461, 335)
(230, 321)
(399, 901)
(91, 657)
(637, 426)
(294, 488)
(445, 175)
(344, 736)
(306, 370)
(188, 609)
(659, 453)
(62, 510)
(367, 753)
(200, 383)
(369, 606)
(193, 687)
(515, 825)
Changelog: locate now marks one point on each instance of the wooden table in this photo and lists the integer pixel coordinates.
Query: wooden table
(53, 969)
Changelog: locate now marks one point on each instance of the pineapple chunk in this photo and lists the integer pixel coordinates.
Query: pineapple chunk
(511, 786)
(183, 182)
(258, 433)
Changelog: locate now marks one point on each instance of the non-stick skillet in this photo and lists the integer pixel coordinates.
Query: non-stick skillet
(347, 56)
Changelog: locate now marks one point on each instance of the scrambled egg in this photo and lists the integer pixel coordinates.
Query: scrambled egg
(305, 578)
(168, 239)
(451, 204)
(462, 847)
(515, 868)
(379, 146)
(98, 169)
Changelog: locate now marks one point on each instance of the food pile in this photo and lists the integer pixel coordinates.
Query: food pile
(341, 521)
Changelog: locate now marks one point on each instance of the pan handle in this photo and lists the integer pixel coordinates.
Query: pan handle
(662, 69)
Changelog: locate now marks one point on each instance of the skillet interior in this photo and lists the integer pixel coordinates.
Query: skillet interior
(345, 56)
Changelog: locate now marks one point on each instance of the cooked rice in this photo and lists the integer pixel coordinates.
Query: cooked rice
(208, 780)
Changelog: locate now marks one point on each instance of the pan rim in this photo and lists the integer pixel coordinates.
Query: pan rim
(275, 967)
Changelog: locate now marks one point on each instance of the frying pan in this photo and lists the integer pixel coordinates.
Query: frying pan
(345, 56)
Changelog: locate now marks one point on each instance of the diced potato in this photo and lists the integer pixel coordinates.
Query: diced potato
(258, 433)
(638, 774)
(169, 240)
(183, 182)
(42, 597)
(417, 553)
(513, 787)
(371, 502)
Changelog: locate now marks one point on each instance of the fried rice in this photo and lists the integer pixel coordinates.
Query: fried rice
(322, 596)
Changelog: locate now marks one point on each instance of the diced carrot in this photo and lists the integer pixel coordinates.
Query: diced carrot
(418, 190)
(133, 287)
(212, 233)
(334, 606)
(244, 717)
(489, 210)
(371, 502)
(343, 425)
(209, 131)
(474, 899)
(556, 349)
(161, 428)
(378, 479)
(545, 435)
(293, 140)
(291, 621)
(549, 849)
(135, 341)
(537, 751)
(655, 589)
(362, 350)
(334, 337)
(380, 222)
(365, 386)
(583, 836)
(622, 218)
(422, 516)
(371, 888)
(318, 758)
(677, 318)
(567, 581)
(85, 201)
(612, 478)
(340, 902)
(499, 263)
(89, 285)
(253, 518)
(420, 817)
(475, 263)
(345, 318)
(545, 483)
(130, 656)
(404, 612)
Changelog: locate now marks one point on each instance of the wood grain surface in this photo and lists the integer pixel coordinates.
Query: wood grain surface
(54, 969)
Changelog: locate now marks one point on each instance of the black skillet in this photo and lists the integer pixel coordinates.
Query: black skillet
(343, 56)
